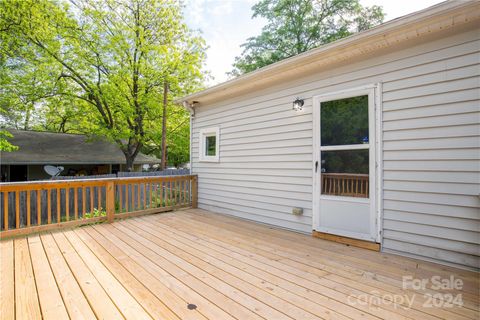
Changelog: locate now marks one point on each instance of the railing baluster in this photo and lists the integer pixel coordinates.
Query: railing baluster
(5, 211)
(58, 205)
(49, 206)
(29, 218)
(184, 192)
(99, 197)
(91, 198)
(130, 196)
(162, 185)
(175, 191)
(172, 193)
(182, 196)
(67, 204)
(39, 207)
(110, 200)
(180, 192)
(84, 202)
(120, 198)
(75, 205)
(150, 185)
(138, 197)
(164, 192)
(17, 209)
(186, 183)
(144, 196)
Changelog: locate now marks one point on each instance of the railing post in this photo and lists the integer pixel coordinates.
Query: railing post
(194, 192)
(110, 201)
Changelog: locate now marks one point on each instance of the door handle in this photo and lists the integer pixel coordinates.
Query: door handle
(316, 166)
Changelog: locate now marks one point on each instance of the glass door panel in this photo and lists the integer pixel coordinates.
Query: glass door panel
(344, 149)
(345, 173)
(344, 121)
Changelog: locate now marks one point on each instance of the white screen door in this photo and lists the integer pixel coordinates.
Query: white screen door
(344, 164)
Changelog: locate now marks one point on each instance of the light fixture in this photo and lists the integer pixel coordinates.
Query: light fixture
(298, 104)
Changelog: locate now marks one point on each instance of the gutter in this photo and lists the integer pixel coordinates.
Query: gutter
(435, 19)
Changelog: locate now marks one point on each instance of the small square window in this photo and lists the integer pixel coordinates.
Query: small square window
(209, 144)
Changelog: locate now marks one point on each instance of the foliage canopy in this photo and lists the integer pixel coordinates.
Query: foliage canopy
(296, 26)
(97, 67)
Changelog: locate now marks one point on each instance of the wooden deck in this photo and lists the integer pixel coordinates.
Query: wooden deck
(193, 264)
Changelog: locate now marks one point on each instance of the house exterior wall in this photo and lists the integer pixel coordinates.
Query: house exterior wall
(430, 148)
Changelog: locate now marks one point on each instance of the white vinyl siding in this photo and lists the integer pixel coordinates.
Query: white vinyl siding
(431, 149)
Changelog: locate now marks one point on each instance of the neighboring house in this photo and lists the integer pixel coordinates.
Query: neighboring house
(76, 153)
(385, 147)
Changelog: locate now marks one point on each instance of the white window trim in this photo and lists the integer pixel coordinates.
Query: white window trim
(209, 132)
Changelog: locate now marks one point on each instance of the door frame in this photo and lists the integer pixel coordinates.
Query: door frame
(375, 163)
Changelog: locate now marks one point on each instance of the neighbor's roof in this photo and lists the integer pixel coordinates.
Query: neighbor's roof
(36, 147)
(409, 29)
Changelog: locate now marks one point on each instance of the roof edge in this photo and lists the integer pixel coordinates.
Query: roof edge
(426, 21)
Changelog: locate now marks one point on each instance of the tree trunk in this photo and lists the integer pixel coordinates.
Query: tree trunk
(26, 123)
(164, 126)
(130, 158)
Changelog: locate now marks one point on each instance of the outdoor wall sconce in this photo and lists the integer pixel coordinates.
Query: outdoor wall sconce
(298, 104)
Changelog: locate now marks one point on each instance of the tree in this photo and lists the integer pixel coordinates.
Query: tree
(62, 114)
(23, 89)
(295, 26)
(4, 144)
(113, 58)
(177, 138)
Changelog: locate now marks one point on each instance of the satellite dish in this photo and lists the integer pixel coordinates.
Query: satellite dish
(52, 170)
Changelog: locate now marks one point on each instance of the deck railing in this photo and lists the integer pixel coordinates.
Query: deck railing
(27, 207)
(345, 184)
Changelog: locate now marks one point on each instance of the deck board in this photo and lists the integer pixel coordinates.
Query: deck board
(329, 259)
(193, 264)
(153, 305)
(289, 287)
(316, 289)
(97, 297)
(7, 283)
(125, 302)
(160, 288)
(75, 302)
(296, 255)
(158, 256)
(51, 301)
(26, 299)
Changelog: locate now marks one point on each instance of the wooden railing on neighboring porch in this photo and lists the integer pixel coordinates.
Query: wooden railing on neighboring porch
(27, 207)
(345, 184)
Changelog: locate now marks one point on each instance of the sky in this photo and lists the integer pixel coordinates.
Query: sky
(226, 24)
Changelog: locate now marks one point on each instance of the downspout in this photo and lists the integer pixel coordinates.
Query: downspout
(190, 109)
(191, 141)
